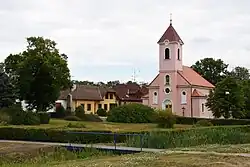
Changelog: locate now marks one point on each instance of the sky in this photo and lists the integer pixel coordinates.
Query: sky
(111, 39)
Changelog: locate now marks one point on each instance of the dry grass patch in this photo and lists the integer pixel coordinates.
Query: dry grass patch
(238, 148)
(156, 160)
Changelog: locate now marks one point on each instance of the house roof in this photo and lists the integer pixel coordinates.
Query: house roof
(171, 35)
(193, 78)
(197, 93)
(86, 92)
(130, 91)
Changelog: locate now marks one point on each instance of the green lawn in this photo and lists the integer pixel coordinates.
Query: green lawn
(115, 127)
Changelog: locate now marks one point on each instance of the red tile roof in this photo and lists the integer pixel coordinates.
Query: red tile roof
(130, 91)
(171, 35)
(196, 93)
(193, 78)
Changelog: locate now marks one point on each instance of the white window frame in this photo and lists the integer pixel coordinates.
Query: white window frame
(169, 90)
(169, 79)
(183, 97)
(169, 53)
(155, 97)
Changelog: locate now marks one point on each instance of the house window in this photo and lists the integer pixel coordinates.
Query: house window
(183, 97)
(202, 107)
(167, 53)
(105, 107)
(88, 107)
(167, 79)
(99, 105)
(111, 96)
(155, 98)
(178, 54)
(167, 90)
(107, 96)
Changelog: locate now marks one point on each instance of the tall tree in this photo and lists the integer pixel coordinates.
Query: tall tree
(227, 99)
(246, 90)
(240, 73)
(39, 73)
(7, 96)
(211, 69)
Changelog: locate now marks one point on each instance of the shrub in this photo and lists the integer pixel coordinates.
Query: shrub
(192, 121)
(60, 112)
(44, 117)
(72, 118)
(80, 112)
(165, 119)
(68, 112)
(101, 112)
(77, 125)
(203, 123)
(5, 119)
(20, 117)
(131, 113)
(92, 118)
(30, 118)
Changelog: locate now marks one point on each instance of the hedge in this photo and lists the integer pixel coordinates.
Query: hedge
(154, 139)
(191, 121)
(56, 135)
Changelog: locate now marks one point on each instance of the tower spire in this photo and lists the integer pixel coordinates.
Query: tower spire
(171, 19)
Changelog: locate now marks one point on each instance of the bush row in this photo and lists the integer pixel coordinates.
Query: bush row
(53, 135)
(194, 137)
(191, 121)
(156, 139)
(16, 116)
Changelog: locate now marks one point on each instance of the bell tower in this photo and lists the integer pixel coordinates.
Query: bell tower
(170, 50)
(170, 61)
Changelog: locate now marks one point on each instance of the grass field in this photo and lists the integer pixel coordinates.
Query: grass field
(95, 126)
(31, 153)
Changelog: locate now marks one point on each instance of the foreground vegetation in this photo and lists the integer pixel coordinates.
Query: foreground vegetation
(48, 156)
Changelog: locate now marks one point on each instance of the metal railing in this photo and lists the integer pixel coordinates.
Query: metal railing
(115, 135)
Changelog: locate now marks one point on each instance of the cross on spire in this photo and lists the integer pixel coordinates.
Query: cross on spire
(171, 19)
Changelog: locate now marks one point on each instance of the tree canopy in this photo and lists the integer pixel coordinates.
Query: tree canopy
(240, 73)
(39, 73)
(227, 99)
(212, 70)
(7, 97)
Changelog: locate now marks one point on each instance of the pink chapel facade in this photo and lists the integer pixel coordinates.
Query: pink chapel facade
(177, 87)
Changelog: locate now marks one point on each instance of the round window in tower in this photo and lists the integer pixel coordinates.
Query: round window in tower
(167, 90)
(155, 93)
(183, 93)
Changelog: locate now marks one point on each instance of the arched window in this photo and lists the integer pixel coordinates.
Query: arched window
(167, 53)
(167, 80)
(183, 97)
(178, 54)
(155, 98)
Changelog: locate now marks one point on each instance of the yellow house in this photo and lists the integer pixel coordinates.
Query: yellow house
(90, 97)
